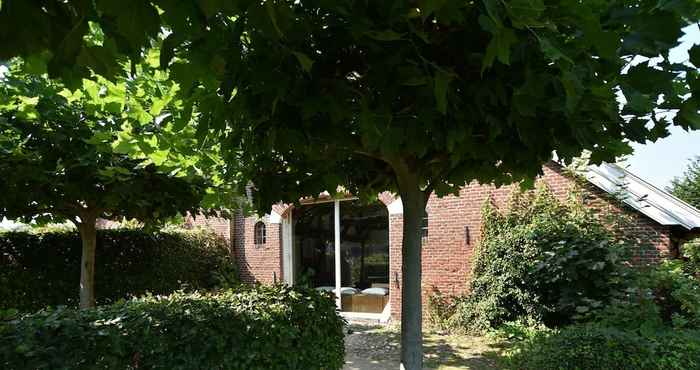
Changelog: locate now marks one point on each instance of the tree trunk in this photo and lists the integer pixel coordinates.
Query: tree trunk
(88, 237)
(362, 262)
(414, 201)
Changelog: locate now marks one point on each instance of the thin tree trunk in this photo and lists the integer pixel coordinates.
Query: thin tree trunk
(88, 237)
(414, 201)
(362, 262)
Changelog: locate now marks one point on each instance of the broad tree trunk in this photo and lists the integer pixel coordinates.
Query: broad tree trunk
(414, 201)
(88, 237)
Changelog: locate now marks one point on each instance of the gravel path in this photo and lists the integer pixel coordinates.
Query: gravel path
(373, 347)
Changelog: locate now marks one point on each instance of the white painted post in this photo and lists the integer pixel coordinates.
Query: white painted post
(288, 249)
(337, 253)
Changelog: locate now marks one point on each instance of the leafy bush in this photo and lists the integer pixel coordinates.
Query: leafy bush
(649, 324)
(691, 256)
(40, 269)
(592, 347)
(544, 259)
(273, 327)
(664, 296)
(441, 309)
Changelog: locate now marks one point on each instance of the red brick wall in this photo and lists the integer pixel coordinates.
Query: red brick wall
(220, 226)
(257, 263)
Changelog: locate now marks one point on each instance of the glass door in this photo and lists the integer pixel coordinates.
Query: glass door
(314, 246)
(364, 251)
(342, 247)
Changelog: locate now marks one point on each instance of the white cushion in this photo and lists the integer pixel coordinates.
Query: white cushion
(344, 290)
(376, 291)
(348, 291)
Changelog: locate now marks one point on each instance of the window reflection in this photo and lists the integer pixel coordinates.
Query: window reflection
(314, 245)
(364, 248)
(364, 252)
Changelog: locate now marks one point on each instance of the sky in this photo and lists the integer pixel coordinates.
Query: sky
(667, 158)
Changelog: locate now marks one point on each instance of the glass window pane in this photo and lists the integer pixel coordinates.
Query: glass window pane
(364, 248)
(314, 246)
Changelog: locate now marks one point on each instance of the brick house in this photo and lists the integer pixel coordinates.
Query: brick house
(338, 243)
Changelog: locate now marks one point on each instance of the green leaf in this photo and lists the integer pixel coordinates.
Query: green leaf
(27, 107)
(526, 13)
(273, 17)
(209, 7)
(648, 80)
(499, 45)
(428, 7)
(385, 35)
(100, 137)
(415, 81)
(551, 51)
(183, 118)
(694, 54)
(304, 60)
(159, 156)
(688, 116)
(572, 87)
(167, 49)
(640, 103)
(442, 80)
(492, 9)
(135, 20)
(125, 147)
(36, 63)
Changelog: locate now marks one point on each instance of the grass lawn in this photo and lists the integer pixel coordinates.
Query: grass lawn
(377, 347)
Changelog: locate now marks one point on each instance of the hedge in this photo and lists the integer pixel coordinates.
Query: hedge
(594, 347)
(271, 327)
(43, 269)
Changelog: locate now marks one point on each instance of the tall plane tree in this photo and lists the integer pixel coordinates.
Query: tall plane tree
(409, 96)
(69, 157)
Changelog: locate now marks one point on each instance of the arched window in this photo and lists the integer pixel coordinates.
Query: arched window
(260, 235)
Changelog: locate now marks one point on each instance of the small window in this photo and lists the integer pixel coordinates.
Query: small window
(424, 225)
(260, 233)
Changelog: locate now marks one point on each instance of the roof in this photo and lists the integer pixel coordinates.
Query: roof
(657, 204)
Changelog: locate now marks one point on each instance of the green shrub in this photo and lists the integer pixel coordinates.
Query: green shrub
(264, 327)
(43, 269)
(691, 255)
(544, 260)
(593, 347)
(441, 309)
(663, 296)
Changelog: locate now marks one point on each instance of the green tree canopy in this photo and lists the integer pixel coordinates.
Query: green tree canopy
(687, 186)
(410, 96)
(74, 156)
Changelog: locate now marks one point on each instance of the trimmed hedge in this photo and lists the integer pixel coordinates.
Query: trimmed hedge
(43, 269)
(593, 347)
(264, 327)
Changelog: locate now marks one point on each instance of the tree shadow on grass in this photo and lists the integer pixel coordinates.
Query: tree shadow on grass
(462, 352)
(382, 345)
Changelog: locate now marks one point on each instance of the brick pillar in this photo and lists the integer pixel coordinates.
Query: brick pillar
(395, 244)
